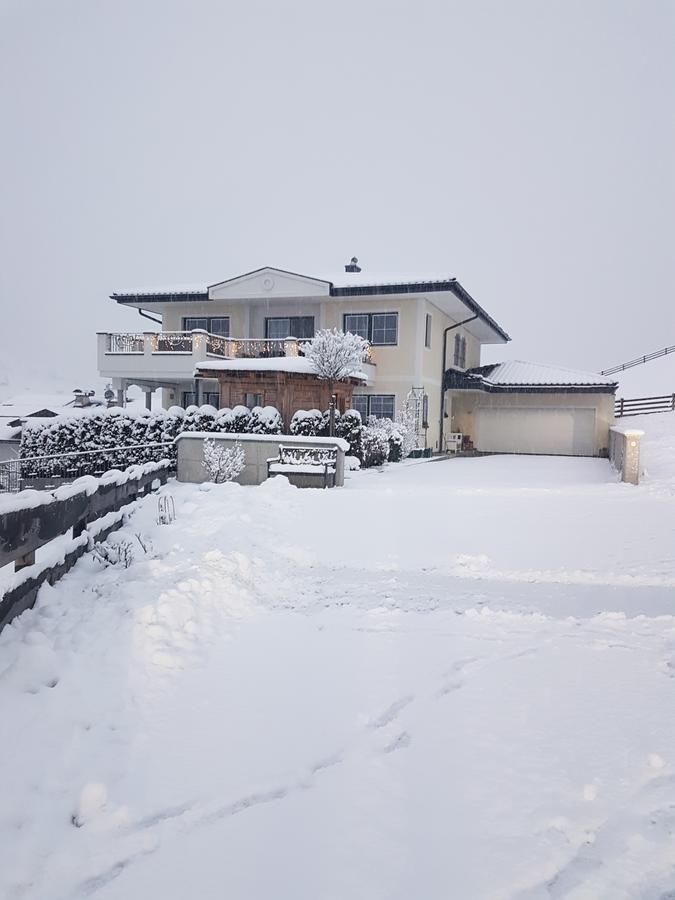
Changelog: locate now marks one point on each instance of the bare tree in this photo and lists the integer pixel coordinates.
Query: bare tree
(336, 356)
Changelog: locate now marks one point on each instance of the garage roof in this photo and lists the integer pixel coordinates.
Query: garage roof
(527, 377)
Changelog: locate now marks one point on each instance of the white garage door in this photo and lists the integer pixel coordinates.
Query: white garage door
(554, 430)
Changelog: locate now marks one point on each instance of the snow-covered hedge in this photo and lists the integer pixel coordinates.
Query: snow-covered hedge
(111, 429)
(377, 442)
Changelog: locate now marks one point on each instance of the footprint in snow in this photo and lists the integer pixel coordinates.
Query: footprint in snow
(391, 712)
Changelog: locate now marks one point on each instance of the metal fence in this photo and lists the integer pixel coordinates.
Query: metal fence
(639, 406)
(44, 472)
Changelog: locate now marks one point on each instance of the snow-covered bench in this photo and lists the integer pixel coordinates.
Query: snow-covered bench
(315, 463)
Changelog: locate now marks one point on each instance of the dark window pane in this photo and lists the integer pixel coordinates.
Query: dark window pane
(382, 405)
(188, 399)
(302, 327)
(211, 398)
(277, 329)
(385, 328)
(427, 331)
(358, 323)
(220, 326)
(360, 402)
(191, 323)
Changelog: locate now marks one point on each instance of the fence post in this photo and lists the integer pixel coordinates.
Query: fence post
(23, 561)
(620, 407)
(672, 402)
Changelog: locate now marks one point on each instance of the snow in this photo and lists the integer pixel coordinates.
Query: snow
(368, 279)
(285, 439)
(517, 371)
(450, 679)
(196, 288)
(293, 364)
(301, 468)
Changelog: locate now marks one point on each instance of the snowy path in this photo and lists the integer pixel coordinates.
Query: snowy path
(449, 680)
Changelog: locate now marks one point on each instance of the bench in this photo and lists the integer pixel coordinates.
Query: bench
(453, 442)
(313, 463)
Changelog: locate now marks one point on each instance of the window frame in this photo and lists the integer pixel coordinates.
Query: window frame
(248, 394)
(368, 402)
(208, 320)
(427, 331)
(290, 320)
(370, 317)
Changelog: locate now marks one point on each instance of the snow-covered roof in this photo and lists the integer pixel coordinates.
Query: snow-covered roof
(519, 372)
(199, 288)
(367, 279)
(24, 405)
(297, 364)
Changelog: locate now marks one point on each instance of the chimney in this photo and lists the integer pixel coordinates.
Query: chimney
(353, 265)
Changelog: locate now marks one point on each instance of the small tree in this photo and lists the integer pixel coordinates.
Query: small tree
(335, 356)
(223, 463)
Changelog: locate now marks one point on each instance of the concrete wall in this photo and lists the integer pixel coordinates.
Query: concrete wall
(624, 452)
(257, 449)
(465, 403)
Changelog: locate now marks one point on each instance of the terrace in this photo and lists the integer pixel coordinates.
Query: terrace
(155, 357)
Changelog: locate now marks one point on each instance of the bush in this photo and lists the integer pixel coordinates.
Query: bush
(223, 463)
(307, 422)
(375, 445)
(109, 430)
(350, 426)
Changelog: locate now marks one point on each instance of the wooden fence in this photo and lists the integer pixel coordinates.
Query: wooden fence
(26, 527)
(639, 406)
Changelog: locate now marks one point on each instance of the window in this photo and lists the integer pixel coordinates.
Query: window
(214, 325)
(212, 398)
(459, 358)
(360, 402)
(253, 400)
(290, 326)
(381, 329)
(381, 405)
(427, 331)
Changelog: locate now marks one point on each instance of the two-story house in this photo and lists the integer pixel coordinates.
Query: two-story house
(238, 341)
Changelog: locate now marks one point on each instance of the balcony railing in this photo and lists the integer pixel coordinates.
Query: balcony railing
(200, 343)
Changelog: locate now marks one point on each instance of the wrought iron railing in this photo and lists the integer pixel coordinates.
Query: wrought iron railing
(46, 471)
(125, 343)
(193, 341)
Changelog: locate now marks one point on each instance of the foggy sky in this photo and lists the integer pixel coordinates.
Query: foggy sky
(525, 146)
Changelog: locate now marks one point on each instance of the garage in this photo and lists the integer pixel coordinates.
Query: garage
(521, 407)
(568, 431)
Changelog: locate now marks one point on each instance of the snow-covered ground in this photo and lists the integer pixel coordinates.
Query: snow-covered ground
(448, 681)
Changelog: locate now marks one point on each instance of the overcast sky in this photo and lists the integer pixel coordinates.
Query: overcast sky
(525, 146)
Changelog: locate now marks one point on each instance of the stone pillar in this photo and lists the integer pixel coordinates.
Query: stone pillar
(121, 396)
(148, 399)
(631, 457)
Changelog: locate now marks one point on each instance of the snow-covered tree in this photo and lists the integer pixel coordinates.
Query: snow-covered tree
(335, 355)
(406, 419)
(223, 463)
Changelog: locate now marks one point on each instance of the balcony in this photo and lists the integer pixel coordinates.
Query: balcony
(165, 357)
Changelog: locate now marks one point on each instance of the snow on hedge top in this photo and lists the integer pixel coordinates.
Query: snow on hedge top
(515, 372)
(294, 364)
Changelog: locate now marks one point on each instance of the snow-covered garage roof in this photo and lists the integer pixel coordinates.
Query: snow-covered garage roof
(527, 377)
(518, 372)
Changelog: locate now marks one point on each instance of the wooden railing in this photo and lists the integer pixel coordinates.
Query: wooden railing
(639, 406)
(92, 514)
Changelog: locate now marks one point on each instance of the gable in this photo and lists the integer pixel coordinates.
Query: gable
(269, 283)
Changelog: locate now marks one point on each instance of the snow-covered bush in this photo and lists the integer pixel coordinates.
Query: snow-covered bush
(307, 422)
(223, 463)
(349, 426)
(375, 445)
(406, 420)
(352, 463)
(393, 434)
(109, 431)
(265, 420)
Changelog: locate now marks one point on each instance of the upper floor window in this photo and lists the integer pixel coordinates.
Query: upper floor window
(381, 329)
(460, 352)
(278, 328)
(427, 331)
(213, 324)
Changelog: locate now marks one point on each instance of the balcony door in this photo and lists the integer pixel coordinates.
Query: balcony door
(278, 328)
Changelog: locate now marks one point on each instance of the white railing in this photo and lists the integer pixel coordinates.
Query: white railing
(201, 343)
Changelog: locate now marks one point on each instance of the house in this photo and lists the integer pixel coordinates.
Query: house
(239, 341)
(16, 411)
